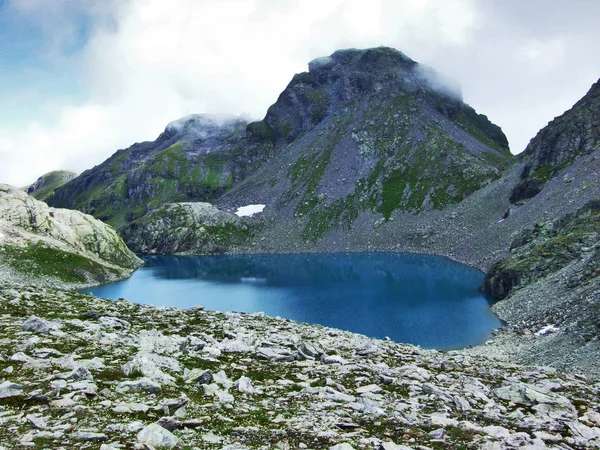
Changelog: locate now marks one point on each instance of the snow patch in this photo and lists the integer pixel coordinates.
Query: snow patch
(547, 329)
(249, 210)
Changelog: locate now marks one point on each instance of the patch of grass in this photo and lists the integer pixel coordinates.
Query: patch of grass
(41, 261)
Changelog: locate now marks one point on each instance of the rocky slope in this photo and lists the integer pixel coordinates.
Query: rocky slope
(81, 372)
(478, 231)
(179, 228)
(57, 246)
(547, 248)
(369, 150)
(574, 133)
(549, 287)
(196, 158)
(45, 185)
(550, 279)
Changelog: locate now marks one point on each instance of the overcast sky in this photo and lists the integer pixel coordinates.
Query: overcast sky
(80, 79)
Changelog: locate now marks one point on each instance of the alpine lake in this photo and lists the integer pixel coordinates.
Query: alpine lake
(423, 300)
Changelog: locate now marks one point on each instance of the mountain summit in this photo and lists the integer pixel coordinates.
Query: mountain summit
(366, 133)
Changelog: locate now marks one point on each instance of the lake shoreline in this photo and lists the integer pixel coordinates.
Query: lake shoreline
(400, 295)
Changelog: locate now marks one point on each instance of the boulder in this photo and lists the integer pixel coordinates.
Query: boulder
(158, 437)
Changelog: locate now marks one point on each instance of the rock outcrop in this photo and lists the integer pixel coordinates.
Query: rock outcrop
(179, 228)
(57, 246)
(549, 287)
(135, 376)
(547, 248)
(45, 185)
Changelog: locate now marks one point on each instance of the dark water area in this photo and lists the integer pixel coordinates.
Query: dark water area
(418, 299)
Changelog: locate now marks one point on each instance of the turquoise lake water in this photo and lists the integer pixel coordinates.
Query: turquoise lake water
(418, 299)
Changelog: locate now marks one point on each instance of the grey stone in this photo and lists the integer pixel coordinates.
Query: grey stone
(39, 325)
(141, 385)
(343, 446)
(157, 437)
(8, 389)
(87, 436)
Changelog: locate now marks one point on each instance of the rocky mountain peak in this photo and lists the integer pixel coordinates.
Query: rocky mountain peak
(382, 67)
(348, 76)
(377, 105)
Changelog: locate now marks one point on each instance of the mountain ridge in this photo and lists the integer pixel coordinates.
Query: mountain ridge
(193, 169)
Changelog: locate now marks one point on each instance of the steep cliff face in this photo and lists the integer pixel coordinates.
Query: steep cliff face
(196, 158)
(53, 246)
(196, 228)
(45, 185)
(370, 130)
(556, 146)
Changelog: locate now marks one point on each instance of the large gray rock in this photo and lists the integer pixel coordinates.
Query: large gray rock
(144, 364)
(158, 437)
(551, 404)
(141, 385)
(38, 325)
(8, 389)
(34, 237)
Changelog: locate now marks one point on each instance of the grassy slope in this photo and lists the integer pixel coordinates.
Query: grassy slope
(52, 181)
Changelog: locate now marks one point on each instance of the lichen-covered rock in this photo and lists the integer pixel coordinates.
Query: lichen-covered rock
(196, 228)
(8, 389)
(58, 245)
(157, 437)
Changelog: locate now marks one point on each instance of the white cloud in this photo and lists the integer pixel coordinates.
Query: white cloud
(148, 62)
(163, 60)
(542, 55)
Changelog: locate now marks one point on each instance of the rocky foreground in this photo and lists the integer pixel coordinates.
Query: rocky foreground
(82, 372)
